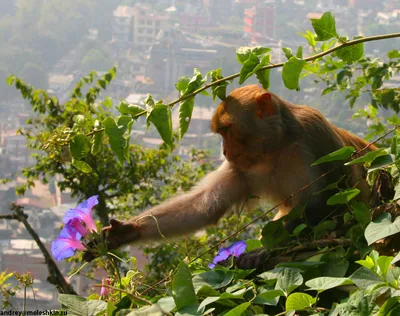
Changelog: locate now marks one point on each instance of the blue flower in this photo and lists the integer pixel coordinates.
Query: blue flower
(83, 212)
(69, 239)
(66, 243)
(235, 250)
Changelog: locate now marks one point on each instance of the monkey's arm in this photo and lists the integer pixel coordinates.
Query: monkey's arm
(202, 206)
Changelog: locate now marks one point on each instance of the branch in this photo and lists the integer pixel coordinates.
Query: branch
(55, 276)
(311, 58)
(135, 297)
(9, 217)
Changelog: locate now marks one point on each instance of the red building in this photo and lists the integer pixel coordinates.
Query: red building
(259, 20)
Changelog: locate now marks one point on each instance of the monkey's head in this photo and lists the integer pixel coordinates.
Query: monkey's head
(250, 124)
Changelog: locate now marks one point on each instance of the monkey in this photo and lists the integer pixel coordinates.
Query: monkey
(269, 146)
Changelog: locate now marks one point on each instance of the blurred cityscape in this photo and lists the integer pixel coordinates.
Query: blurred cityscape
(51, 44)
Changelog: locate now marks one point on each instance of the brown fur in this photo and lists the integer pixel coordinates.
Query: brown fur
(269, 149)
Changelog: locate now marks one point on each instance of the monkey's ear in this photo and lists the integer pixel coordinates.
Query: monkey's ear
(264, 105)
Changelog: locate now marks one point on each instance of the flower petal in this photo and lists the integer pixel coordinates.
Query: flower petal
(83, 212)
(69, 232)
(78, 226)
(104, 290)
(237, 248)
(62, 248)
(222, 255)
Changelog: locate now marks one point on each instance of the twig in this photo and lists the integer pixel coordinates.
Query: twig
(311, 58)
(123, 291)
(55, 275)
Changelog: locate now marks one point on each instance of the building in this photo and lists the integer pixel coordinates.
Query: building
(137, 25)
(259, 20)
(176, 53)
(123, 24)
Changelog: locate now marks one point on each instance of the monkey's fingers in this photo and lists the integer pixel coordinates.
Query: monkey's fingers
(251, 260)
(116, 235)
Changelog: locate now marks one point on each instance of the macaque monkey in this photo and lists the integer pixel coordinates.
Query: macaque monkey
(269, 145)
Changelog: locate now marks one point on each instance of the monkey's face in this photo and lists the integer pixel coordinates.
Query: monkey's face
(250, 127)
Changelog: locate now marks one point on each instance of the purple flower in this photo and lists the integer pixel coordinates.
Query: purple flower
(235, 250)
(66, 243)
(78, 226)
(104, 290)
(83, 212)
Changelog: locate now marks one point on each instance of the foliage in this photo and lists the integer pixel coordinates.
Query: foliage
(328, 269)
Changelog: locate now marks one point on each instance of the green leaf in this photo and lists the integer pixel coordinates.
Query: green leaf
(393, 54)
(185, 115)
(291, 72)
(130, 109)
(182, 287)
(289, 281)
(268, 297)
(107, 102)
(79, 146)
(326, 283)
(207, 301)
(361, 212)
(97, 142)
(391, 307)
(381, 162)
(323, 228)
(167, 303)
(238, 310)
(382, 227)
(299, 301)
(369, 157)
(263, 75)
(79, 119)
(182, 83)
(310, 37)
(253, 244)
(343, 197)
(80, 306)
(153, 310)
(195, 82)
(340, 154)
(396, 258)
(213, 278)
(288, 52)
(248, 68)
(297, 231)
(10, 80)
(81, 166)
(384, 263)
(274, 234)
(350, 54)
(325, 27)
(299, 53)
(243, 53)
(160, 117)
(118, 135)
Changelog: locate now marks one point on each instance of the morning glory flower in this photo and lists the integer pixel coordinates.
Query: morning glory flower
(104, 290)
(83, 212)
(66, 243)
(235, 250)
(78, 226)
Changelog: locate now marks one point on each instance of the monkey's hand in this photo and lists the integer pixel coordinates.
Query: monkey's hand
(114, 236)
(251, 260)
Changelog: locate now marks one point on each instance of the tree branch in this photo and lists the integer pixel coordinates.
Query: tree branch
(55, 276)
(310, 58)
